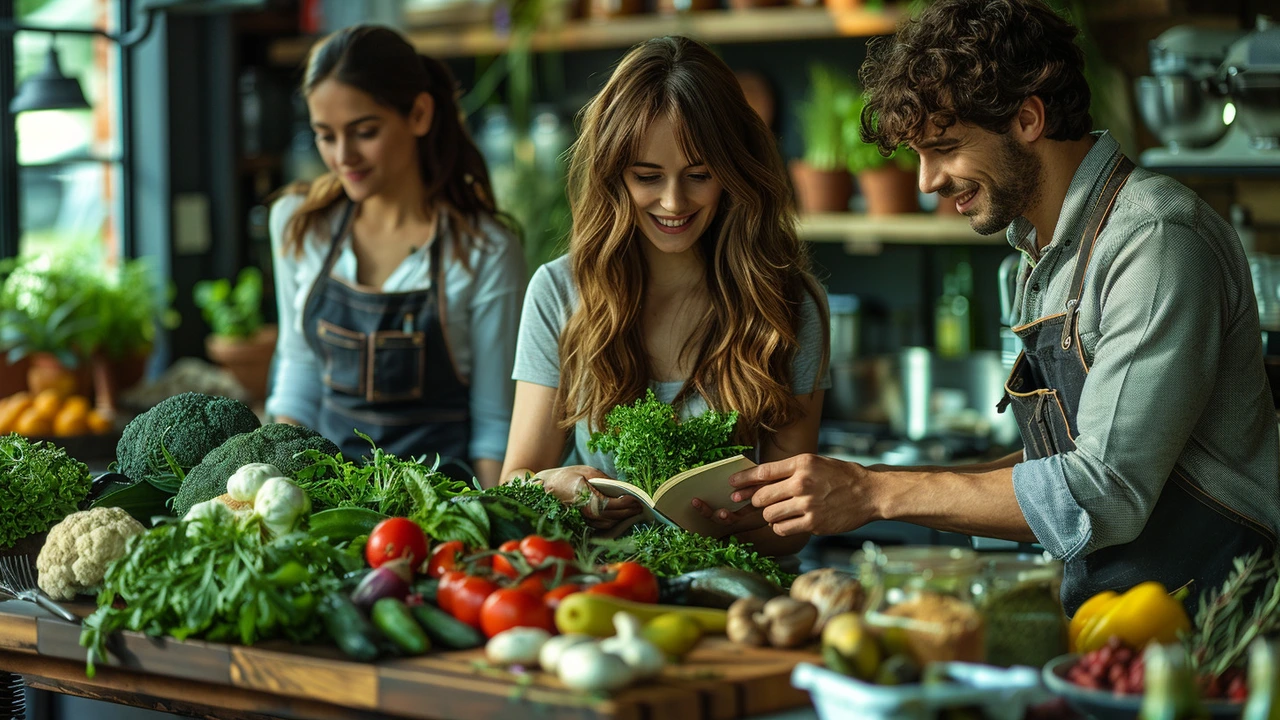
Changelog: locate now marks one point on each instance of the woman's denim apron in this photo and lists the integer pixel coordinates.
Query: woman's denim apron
(1190, 537)
(386, 366)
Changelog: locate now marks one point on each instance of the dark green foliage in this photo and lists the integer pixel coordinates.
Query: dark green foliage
(650, 444)
(39, 485)
(163, 444)
(277, 444)
(669, 551)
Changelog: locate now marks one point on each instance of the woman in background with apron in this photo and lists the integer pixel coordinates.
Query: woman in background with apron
(399, 289)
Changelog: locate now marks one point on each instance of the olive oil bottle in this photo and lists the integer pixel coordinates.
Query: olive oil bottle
(1171, 692)
(1264, 681)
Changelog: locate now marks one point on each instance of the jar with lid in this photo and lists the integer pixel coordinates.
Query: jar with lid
(921, 603)
(1018, 596)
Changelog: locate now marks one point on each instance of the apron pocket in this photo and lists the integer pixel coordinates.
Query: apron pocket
(399, 362)
(344, 358)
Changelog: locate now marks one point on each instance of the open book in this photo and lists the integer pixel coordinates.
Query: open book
(672, 504)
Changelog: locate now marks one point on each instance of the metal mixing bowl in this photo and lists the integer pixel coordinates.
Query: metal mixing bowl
(1179, 111)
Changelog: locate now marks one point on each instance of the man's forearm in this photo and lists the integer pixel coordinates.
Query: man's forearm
(954, 501)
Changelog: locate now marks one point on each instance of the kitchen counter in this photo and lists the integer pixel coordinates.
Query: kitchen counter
(277, 680)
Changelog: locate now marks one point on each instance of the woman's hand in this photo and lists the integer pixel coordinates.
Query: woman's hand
(568, 484)
(744, 519)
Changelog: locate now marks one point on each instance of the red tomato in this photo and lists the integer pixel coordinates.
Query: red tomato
(501, 564)
(396, 537)
(444, 592)
(537, 549)
(632, 581)
(444, 557)
(552, 598)
(512, 607)
(534, 585)
(468, 596)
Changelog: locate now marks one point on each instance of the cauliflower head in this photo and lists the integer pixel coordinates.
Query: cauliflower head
(79, 549)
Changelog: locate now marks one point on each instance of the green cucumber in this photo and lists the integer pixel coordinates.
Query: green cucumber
(444, 629)
(393, 618)
(344, 524)
(349, 628)
(715, 587)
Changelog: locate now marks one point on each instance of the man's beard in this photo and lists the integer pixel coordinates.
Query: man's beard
(1014, 187)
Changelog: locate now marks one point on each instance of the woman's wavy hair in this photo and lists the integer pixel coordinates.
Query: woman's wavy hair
(381, 62)
(974, 62)
(757, 271)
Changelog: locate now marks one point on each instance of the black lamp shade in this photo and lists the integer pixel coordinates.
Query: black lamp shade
(49, 89)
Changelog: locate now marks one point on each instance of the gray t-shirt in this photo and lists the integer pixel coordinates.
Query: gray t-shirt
(551, 299)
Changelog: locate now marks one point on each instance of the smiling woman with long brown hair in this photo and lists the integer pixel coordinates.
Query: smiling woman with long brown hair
(684, 275)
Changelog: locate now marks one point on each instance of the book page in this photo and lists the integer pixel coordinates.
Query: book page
(709, 483)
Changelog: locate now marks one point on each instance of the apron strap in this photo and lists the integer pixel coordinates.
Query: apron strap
(1120, 169)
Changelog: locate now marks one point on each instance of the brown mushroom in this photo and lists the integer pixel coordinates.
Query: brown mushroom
(741, 625)
(831, 591)
(789, 621)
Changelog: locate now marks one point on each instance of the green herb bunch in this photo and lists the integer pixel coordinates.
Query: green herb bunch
(39, 485)
(220, 581)
(380, 482)
(650, 444)
(527, 503)
(669, 551)
(1247, 606)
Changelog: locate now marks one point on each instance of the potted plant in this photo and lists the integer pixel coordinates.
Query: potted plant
(887, 183)
(240, 342)
(822, 181)
(128, 311)
(53, 341)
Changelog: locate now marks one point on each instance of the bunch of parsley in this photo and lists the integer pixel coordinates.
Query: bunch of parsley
(669, 551)
(39, 485)
(650, 444)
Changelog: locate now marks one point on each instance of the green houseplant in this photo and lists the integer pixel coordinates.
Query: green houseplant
(888, 184)
(822, 183)
(46, 321)
(129, 311)
(239, 341)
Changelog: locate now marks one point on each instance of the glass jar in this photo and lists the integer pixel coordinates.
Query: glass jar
(920, 602)
(1018, 596)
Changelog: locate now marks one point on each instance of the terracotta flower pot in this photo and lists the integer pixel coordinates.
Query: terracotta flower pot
(111, 376)
(248, 361)
(47, 372)
(889, 190)
(821, 190)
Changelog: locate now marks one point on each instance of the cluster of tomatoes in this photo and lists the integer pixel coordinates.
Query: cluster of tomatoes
(523, 581)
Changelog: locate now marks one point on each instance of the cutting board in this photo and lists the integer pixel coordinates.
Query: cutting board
(718, 680)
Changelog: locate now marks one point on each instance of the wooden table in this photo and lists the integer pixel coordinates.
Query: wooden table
(717, 681)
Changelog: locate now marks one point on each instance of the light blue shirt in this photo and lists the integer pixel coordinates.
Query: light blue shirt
(483, 315)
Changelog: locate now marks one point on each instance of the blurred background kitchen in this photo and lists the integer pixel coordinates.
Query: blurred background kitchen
(141, 140)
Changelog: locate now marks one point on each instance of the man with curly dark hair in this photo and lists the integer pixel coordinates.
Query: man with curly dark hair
(1149, 432)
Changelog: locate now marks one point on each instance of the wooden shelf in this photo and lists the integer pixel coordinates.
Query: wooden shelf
(714, 26)
(862, 233)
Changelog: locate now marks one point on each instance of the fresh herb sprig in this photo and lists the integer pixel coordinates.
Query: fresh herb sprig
(1225, 625)
(381, 482)
(650, 444)
(669, 551)
(217, 580)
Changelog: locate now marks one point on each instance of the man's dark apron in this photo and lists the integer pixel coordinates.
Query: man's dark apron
(1190, 537)
(386, 366)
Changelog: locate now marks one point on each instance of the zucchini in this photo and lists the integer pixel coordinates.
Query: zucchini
(393, 618)
(715, 588)
(593, 614)
(349, 628)
(341, 525)
(444, 629)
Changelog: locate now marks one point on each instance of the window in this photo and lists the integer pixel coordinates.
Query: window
(67, 166)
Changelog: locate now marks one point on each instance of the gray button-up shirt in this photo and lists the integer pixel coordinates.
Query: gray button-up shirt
(1169, 327)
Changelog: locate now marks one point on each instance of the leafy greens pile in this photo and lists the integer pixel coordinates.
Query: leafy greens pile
(220, 581)
(669, 551)
(39, 485)
(650, 444)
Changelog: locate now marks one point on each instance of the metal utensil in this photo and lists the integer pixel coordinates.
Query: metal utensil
(19, 580)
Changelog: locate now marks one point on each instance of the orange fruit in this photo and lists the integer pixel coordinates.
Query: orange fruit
(98, 425)
(32, 424)
(47, 403)
(72, 419)
(76, 405)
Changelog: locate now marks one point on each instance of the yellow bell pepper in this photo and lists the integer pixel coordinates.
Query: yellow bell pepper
(1146, 612)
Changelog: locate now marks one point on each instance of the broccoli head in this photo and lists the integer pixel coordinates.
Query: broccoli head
(184, 427)
(277, 444)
